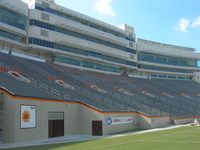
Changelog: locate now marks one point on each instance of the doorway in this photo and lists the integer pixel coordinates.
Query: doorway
(56, 124)
(56, 128)
(97, 129)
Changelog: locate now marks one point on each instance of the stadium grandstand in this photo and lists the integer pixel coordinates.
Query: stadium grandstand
(64, 73)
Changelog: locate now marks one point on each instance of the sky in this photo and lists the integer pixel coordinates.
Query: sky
(175, 22)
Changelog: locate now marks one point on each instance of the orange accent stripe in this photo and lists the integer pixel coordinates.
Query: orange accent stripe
(15, 97)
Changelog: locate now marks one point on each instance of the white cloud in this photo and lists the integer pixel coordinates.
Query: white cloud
(183, 25)
(105, 7)
(196, 23)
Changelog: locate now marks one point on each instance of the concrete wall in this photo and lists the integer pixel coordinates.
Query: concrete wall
(11, 120)
(197, 77)
(77, 119)
(8, 120)
(117, 128)
(183, 121)
(144, 122)
(160, 122)
(87, 116)
(72, 119)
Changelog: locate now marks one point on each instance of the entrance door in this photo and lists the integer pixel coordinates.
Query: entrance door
(97, 128)
(56, 128)
(56, 124)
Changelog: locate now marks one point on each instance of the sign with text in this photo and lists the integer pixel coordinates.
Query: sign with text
(118, 120)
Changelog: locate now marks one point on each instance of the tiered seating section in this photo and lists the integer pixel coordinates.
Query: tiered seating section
(104, 92)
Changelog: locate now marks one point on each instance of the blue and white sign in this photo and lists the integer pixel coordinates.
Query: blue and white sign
(108, 121)
(118, 120)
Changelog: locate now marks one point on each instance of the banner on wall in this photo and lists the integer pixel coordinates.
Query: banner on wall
(28, 116)
(118, 120)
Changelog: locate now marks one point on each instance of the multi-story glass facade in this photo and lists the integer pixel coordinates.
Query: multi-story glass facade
(87, 64)
(10, 36)
(46, 8)
(172, 77)
(167, 66)
(51, 28)
(166, 69)
(78, 35)
(80, 51)
(167, 60)
(12, 18)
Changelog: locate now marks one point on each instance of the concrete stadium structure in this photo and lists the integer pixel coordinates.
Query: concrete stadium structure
(88, 77)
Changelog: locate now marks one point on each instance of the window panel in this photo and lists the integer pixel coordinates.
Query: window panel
(79, 35)
(12, 18)
(167, 60)
(86, 64)
(166, 69)
(79, 51)
(67, 16)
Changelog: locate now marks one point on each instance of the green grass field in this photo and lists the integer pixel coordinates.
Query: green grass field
(184, 138)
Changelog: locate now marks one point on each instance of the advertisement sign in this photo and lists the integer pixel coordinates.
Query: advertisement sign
(118, 120)
(28, 116)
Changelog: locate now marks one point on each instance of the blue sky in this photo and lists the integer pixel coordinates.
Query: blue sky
(169, 21)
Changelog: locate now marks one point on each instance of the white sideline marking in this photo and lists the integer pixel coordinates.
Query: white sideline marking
(147, 131)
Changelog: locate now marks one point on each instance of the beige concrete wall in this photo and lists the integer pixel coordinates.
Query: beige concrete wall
(11, 120)
(72, 119)
(111, 129)
(197, 76)
(8, 120)
(143, 122)
(87, 116)
(77, 120)
(160, 122)
(183, 121)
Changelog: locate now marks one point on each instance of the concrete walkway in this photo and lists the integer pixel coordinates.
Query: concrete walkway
(79, 138)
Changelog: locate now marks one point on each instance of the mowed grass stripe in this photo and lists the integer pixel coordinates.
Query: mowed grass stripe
(174, 139)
